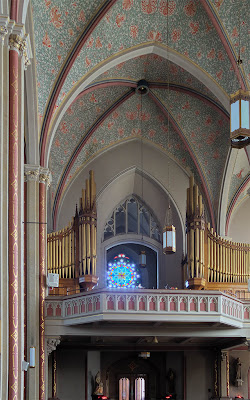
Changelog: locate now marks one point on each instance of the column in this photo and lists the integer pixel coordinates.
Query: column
(224, 376)
(44, 181)
(4, 129)
(31, 173)
(52, 344)
(18, 61)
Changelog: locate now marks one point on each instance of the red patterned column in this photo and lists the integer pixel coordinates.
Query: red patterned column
(43, 182)
(25, 284)
(14, 228)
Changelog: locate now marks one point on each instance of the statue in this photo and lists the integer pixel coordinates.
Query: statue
(238, 368)
(98, 384)
(238, 380)
(171, 381)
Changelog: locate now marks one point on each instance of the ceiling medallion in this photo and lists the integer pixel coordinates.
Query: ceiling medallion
(142, 87)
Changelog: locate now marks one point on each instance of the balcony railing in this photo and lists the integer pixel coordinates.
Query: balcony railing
(163, 305)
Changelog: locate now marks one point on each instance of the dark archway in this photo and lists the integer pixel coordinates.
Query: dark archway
(148, 274)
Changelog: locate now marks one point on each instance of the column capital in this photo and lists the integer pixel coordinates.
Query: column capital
(16, 38)
(45, 176)
(4, 21)
(52, 344)
(224, 354)
(31, 172)
(37, 173)
(3, 31)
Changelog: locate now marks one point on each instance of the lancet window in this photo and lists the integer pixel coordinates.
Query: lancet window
(132, 217)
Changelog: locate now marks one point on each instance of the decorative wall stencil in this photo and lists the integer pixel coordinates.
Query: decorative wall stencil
(79, 117)
(153, 68)
(192, 35)
(229, 14)
(57, 26)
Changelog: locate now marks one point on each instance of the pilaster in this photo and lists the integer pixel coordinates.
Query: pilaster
(44, 182)
(224, 376)
(31, 173)
(4, 160)
(14, 56)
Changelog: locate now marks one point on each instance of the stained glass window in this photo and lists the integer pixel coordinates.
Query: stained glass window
(122, 273)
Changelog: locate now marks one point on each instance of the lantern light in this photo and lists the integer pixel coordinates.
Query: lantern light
(142, 259)
(169, 239)
(240, 119)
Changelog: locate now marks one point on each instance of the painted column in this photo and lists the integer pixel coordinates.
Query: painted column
(25, 284)
(4, 129)
(14, 228)
(44, 181)
(52, 343)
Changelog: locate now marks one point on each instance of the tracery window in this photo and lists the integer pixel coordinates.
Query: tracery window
(122, 273)
(132, 217)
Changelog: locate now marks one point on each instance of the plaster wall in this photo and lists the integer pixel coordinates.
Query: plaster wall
(111, 164)
(239, 227)
(70, 374)
(244, 357)
(199, 375)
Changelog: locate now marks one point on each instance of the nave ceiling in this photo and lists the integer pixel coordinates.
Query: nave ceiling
(90, 56)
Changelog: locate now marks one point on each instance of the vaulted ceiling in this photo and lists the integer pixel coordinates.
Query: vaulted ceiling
(90, 56)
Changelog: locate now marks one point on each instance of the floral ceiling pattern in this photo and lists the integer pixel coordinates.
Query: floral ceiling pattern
(128, 24)
(80, 116)
(235, 17)
(58, 25)
(144, 67)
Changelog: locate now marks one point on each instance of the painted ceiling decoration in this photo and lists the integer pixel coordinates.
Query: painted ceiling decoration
(76, 39)
(195, 38)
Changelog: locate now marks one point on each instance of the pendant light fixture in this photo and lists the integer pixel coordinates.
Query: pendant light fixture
(142, 89)
(169, 233)
(240, 110)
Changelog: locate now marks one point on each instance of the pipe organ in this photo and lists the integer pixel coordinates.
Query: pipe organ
(71, 252)
(213, 262)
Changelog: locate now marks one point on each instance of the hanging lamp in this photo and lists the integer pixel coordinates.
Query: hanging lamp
(240, 109)
(169, 233)
(240, 119)
(142, 259)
